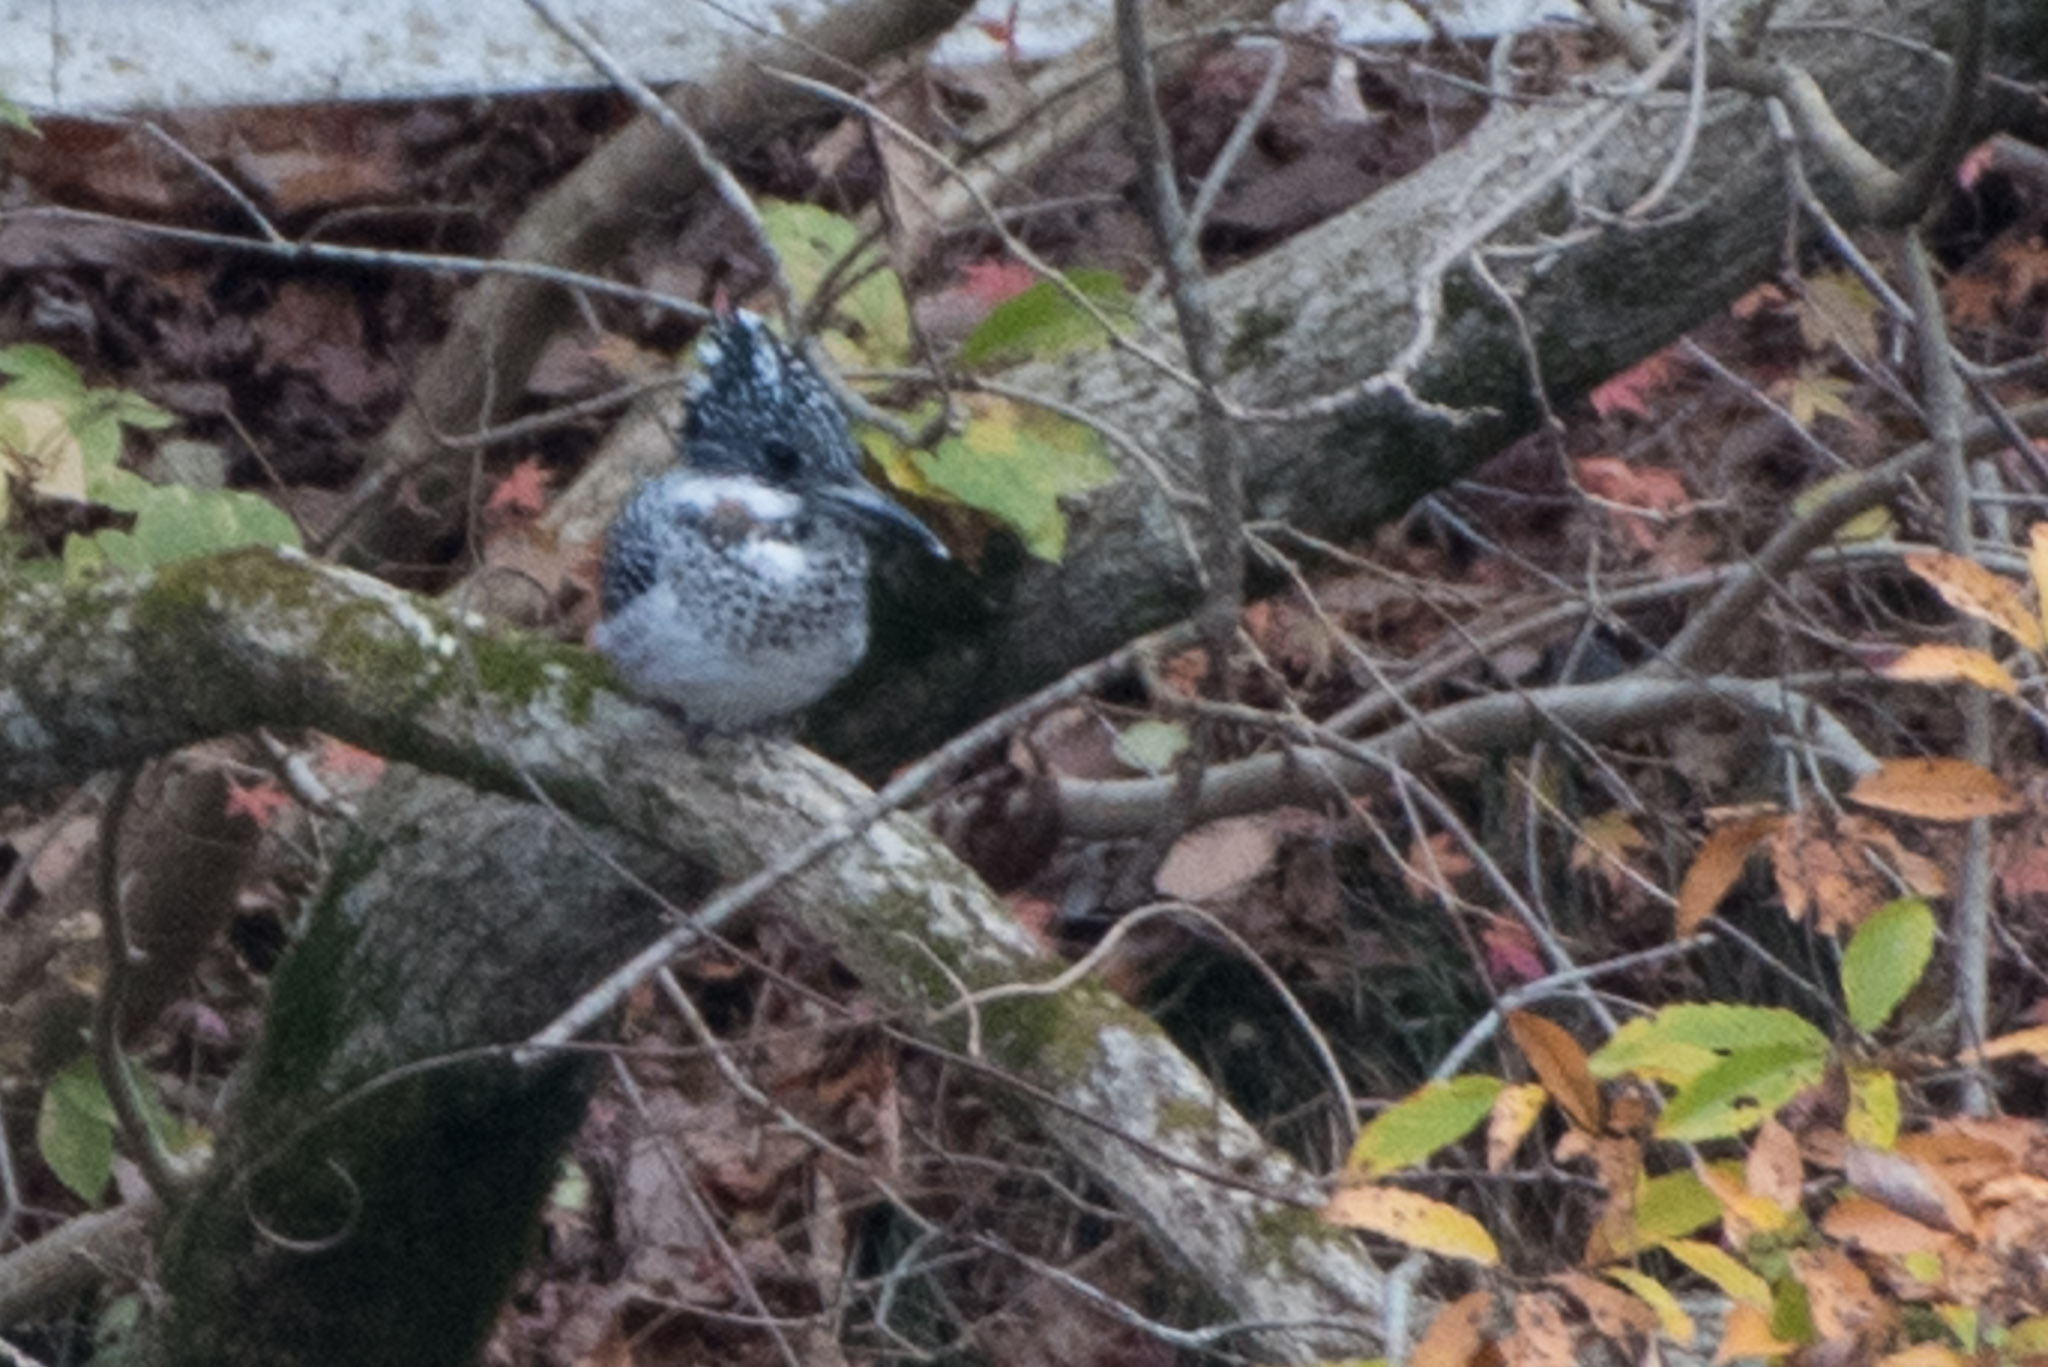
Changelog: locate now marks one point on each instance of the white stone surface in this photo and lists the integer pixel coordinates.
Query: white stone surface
(103, 55)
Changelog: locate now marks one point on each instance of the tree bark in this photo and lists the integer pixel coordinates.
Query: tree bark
(102, 674)
(1335, 306)
(381, 1164)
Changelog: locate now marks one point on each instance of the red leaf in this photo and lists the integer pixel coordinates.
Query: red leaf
(1629, 392)
(523, 493)
(340, 761)
(991, 282)
(1511, 955)
(259, 802)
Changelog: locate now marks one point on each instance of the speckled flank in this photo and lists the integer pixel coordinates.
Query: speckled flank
(735, 587)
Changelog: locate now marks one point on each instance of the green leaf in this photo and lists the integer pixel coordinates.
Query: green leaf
(810, 242)
(172, 523)
(1152, 746)
(1015, 464)
(1044, 322)
(1737, 1093)
(1681, 1042)
(1874, 1111)
(1670, 1207)
(75, 1129)
(1437, 1114)
(14, 116)
(40, 373)
(1885, 959)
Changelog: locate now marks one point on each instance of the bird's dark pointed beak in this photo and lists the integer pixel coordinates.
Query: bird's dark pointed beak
(881, 510)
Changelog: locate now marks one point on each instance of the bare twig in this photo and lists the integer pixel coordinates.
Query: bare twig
(1100, 953)
(1942, 387)
(654, 107)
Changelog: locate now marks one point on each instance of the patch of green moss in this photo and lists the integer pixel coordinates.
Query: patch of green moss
(517, 670)
(1060, 1034)
(307, 1000)
(1278, 1231)
(1250, 344)
(1182, 1113)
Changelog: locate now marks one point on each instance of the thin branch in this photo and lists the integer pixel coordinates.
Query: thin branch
(906, 788)
(1098, 955)
(1942, 387)
(335, 254)
(1740, 597)
(159, 1169)
(654, 107)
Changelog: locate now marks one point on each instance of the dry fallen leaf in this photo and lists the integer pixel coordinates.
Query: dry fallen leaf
(1560, 1065)
(1413, 1219)
(1946, 664)
(1936, 789)
(1717, 866)
(1971, 589)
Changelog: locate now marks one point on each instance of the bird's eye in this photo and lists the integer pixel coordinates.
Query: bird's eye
(780, 460)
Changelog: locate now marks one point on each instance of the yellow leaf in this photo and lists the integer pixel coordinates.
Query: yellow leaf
(1717, 866)
(1924, 1355)
(1936, 790)
(1743, 1212)
(1720, 1267)
(1836, 307)
(1946, 664)
(1671, 1316)
(1873, 1119)
(1814, 393)
(1560, 1066)
(1515, 1112)
(1608, 838)
(1413, 1219)
(1969, 588)
(37, 447)
(1872, 524)
(2037, 562)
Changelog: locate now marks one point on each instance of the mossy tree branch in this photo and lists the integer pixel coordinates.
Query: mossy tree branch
(108, 673)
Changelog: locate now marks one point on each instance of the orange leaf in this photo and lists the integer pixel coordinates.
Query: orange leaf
(1847, 1309)
(2032, 1041)
(1862, 1223)
(1747, 1334)
(1413, 1219)
(1945, 664)
(1458, 1335)
(1936, 790)
(1924, 1355)
(1774, 1169)
(1899, 1182)
(1542, 1338)
(1824, 869)
(1970, 588)
(1717, 866)
(1614, 1312)
(1560, 1066)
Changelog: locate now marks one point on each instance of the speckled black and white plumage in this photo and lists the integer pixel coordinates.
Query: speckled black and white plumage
(735, 587)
